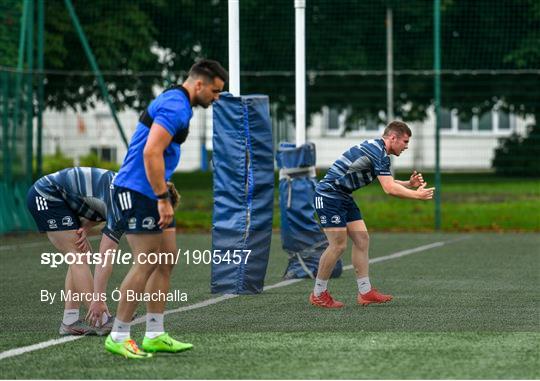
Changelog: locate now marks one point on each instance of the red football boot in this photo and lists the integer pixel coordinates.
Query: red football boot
(373, 296)
(324, 300)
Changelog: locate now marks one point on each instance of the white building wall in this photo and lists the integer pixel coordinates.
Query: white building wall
(75, 133)
(460, 150)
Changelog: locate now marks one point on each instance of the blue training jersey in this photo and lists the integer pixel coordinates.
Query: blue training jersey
(355, 169)
(87, 191)
(172, 110)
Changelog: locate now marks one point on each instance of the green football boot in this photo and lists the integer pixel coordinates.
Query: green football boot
(127, 348)
(164, 343)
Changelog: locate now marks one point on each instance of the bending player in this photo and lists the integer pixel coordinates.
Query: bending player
(65, 205)
(141, 195)
(340, 217)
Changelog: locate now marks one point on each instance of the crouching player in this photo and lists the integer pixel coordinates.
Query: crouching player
(341, 218)
(65, 205)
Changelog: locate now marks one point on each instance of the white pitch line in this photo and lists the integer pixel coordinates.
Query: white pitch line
(403, 253)
(208, 302)
(38, 346)
(283, 283)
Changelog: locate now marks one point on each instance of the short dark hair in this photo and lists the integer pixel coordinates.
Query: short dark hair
(209, 69)
(399, 128)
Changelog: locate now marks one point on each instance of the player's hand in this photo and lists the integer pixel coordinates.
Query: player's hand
(82, 242)
(416, 179)
(424, 193)
(95, 313)
(166, 213)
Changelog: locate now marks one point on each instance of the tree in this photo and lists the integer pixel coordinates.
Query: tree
(10, 11)
(120, 34)
(148, 43)
(517, 155)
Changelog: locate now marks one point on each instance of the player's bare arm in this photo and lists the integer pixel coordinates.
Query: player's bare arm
(392, 188)
(154, 164)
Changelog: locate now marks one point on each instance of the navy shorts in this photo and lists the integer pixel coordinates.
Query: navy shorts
(49, 214)
(138, 213)
(336, 212)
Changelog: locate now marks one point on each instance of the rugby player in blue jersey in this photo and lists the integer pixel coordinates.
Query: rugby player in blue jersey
(65, 205)
(340, 217)
(141, 195)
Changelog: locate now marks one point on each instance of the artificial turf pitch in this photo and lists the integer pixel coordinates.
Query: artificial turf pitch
(468, 309)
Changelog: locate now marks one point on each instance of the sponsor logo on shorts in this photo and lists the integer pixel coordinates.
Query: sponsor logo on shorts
(148, 223)
(52, 224)
(318, 202)
(323, 220)
(132, 223)
(336, 219)
(41, 203)
(67, 221)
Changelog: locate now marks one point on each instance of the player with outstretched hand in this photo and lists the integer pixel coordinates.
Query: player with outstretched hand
(340, 217)
(142, 197)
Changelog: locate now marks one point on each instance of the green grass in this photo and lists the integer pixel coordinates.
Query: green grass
(469, 309)
(481, 202)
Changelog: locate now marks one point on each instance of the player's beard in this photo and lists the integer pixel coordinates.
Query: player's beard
(204, 104)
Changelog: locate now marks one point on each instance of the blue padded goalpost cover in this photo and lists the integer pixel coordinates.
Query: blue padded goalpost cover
(301, 235)
(243, 193)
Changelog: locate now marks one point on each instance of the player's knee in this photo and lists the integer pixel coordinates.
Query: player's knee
(362, 240)
(338, 246)
(165, 269)
(77, 261)
(145, 269)
(342, 247)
